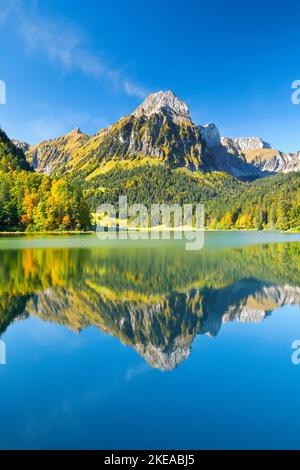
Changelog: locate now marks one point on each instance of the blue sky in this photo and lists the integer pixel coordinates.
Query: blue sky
(69, 63)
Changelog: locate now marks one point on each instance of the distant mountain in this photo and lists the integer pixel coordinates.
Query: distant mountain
(24, 146)
(159, 132)
(271, 160)
(261, 158)
(243, 144)
(11, 157)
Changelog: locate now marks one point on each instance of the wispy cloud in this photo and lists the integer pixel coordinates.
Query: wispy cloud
(63, 44)
(5, 8)
(133, 89)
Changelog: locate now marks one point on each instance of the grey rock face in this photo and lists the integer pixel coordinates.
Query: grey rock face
(245, 143)
(248, 302)
(260, 156)
(228, 160)
(278, 162)
(165, 101)
(210, 134)
(163, 359)
(252, 158)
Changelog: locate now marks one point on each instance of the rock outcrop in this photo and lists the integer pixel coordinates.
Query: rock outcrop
(166, 103)
(210, 134)
(241, 144)
(273, 161)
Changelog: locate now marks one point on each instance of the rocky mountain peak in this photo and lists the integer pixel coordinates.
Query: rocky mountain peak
(75, 131)
(164, 101)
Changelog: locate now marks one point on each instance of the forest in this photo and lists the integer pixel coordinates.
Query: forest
(35, 202)
(271, 203)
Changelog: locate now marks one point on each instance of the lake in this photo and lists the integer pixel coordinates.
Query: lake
(128, 345)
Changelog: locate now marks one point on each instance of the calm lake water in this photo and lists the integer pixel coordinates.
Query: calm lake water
(127, 345)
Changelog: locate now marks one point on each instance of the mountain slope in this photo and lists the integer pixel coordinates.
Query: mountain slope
(160, 184)
(259, 155)
(54, 157)
(11, 157)
(34, 202)
(160, 130)
(273, 160)
(267, 203)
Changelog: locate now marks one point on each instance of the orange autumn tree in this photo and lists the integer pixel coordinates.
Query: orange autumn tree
(29, 205)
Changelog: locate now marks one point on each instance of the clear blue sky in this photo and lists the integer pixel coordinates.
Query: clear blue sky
(87, 63)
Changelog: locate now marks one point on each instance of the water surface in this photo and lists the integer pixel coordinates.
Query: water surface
(122, 345)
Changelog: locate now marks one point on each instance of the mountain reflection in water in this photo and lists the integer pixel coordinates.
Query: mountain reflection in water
(155, 300)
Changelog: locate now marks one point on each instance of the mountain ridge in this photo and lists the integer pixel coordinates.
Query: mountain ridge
(159, 131)
(159, 156)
